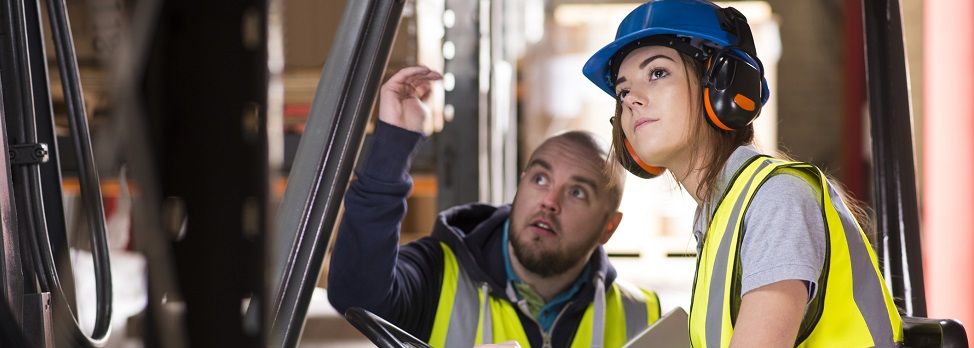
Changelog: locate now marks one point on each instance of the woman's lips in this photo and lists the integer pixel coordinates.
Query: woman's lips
(642, 122)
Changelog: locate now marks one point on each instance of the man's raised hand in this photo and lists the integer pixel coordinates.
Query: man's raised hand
(402, 99)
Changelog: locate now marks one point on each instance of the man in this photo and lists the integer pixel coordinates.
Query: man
(532, 272)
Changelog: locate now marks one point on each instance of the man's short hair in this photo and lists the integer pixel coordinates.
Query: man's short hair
(613, 176)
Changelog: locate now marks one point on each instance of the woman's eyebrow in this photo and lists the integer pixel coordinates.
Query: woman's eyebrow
(643, 65)
(651, 59)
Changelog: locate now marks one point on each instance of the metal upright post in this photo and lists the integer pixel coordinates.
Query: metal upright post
(461, 147)
(326, 156)
(15, 101)
(897, 214)
(207, 90)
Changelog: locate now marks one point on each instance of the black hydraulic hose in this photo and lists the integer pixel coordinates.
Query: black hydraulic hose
(64, 320)
(26, 132)
(43, 278)
(42, 257)
(44, 129)
(87, 175)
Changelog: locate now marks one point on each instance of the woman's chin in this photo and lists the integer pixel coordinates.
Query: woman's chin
(653, 158)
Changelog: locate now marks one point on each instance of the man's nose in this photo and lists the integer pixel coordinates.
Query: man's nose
(552, 201)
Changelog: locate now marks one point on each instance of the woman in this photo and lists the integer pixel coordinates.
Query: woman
(781, 260)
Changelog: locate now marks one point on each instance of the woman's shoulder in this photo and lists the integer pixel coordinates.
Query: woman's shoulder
(789, 186)
(784, 196)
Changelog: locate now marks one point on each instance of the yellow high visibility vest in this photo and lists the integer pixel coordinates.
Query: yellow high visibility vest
(464, 307)
(852, 307)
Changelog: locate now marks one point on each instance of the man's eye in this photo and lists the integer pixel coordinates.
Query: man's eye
(541, 180)
(579, 193)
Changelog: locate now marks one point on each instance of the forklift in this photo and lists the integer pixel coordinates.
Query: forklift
(218, 175)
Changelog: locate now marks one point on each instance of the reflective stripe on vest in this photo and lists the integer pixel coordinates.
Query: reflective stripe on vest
(854, 308)
(627, 310)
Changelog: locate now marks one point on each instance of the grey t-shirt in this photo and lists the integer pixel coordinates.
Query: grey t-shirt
(784, 229)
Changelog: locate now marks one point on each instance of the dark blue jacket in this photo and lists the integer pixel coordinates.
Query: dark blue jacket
(368, 269)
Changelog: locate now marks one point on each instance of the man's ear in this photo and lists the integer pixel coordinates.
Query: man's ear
(610, 228)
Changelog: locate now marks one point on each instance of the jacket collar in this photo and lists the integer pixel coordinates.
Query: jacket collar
(475, 232)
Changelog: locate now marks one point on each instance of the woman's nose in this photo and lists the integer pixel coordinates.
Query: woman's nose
(633, 99)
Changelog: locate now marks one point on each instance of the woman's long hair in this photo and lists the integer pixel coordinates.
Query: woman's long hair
(711, 147)
(713, 144)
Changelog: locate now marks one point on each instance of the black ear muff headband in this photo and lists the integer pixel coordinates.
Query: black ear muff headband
(734, 81)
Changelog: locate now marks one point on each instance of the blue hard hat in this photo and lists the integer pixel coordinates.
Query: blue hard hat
(689, 19)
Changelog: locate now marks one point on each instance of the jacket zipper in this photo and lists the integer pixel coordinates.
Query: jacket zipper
(546, 336)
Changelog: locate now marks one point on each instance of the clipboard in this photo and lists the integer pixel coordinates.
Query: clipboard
(670, 331)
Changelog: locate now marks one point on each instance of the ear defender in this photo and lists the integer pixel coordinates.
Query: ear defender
(631, 161)
(732, 92)
(637, 167)
(733, 87)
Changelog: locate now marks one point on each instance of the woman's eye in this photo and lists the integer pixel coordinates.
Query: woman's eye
(622, 94)
(656, 74)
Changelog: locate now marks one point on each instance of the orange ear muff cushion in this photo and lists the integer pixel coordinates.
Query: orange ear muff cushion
(710, 111)
(648, 168)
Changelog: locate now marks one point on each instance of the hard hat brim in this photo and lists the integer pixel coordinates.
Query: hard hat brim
(693, 19)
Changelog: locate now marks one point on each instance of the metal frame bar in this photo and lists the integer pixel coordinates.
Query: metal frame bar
(326, 156)
(208, 80)
(897, 212)
(161, 327)
(461, 147)
(15, 102)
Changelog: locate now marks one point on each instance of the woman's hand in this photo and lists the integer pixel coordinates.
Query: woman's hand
(402, 98)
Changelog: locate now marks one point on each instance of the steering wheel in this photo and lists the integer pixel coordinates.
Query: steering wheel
(380, 331)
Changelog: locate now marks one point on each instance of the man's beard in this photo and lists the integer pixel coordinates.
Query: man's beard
(548, 263)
